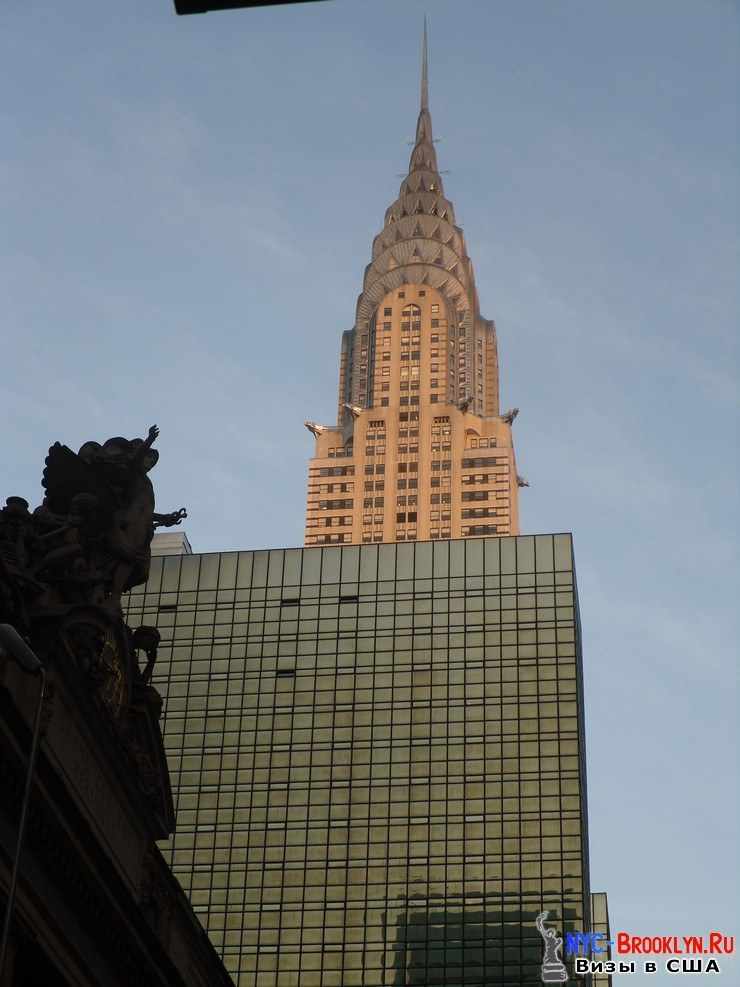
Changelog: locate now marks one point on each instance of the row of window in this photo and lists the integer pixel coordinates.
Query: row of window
(473, 463)
(333, 505)
(335, 471)
(327, 539)
(467, 463)
(332, 488)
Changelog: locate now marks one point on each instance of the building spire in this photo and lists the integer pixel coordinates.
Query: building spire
(424, 149)
(425, 70)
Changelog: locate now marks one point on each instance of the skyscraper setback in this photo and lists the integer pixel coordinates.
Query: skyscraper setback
(420, 449)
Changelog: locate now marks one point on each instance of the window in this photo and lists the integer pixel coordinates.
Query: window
(435, 323)
(386, 327)
(384, 402)
(435, 309)
(387, 311)
(480, 461)
(422, 294)
(337, 471)
(475, 495)
(479, 529)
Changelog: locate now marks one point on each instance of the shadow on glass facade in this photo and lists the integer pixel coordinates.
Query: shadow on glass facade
(377, 756)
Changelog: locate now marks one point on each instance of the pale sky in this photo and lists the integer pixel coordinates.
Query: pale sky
(188, 205)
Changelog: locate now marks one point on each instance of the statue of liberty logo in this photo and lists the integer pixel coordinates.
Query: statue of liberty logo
(553, 968)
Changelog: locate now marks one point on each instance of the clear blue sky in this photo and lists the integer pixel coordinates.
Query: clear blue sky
(188, 206)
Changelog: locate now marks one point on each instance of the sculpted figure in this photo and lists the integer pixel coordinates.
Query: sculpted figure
(107, 500)
(315, 428)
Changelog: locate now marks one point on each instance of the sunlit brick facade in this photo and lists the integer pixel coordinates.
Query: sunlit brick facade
(420, 449)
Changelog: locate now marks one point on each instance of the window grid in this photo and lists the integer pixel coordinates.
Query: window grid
(376, 755)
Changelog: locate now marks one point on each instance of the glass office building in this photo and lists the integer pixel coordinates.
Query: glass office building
(377, 756)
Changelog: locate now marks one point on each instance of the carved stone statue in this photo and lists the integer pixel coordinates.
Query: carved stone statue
(521, 482)
(509, 416)
(354, 409)
(63, 570)
(464, 404)
(97, 520)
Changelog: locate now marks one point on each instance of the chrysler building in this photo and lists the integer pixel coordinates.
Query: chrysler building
(421, 449)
